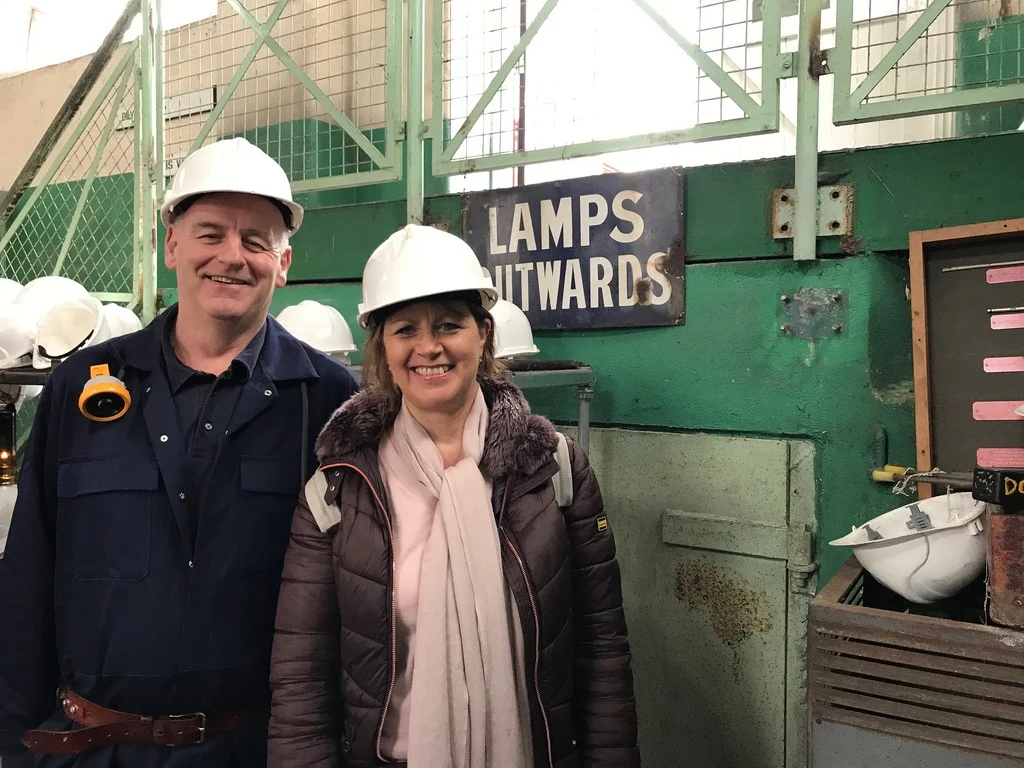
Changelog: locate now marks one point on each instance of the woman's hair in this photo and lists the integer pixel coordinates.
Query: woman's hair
(463, 304)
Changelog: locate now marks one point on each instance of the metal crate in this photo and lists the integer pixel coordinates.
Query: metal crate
(917, 677)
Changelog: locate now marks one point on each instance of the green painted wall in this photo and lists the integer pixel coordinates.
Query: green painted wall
(989, 53)
(727, 370)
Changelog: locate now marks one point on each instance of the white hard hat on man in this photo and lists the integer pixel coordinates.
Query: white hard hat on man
(231, 165)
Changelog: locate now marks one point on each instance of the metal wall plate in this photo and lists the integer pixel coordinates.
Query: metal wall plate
(813, 313)
(835, 211)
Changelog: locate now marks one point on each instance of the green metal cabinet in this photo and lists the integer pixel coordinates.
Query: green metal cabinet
(714, 541)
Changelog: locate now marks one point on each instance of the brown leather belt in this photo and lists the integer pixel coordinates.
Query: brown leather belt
(102, 727)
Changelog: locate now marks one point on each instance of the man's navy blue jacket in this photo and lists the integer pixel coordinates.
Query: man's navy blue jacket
(102, 587)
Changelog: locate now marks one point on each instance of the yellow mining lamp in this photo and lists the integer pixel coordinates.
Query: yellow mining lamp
(104, 397)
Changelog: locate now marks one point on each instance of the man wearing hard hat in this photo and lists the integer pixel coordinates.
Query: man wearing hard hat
(142, 570)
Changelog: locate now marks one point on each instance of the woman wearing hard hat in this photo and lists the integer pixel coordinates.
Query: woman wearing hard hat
(438, 607)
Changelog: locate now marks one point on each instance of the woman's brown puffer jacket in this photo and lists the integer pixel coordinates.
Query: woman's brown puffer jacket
(333, 670)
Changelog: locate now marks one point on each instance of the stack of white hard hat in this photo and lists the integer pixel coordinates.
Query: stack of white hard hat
(513, 336)
(44, 293)
(419, 262)
(231, 165)
(68, 327)
(9, 290)
(121, 320)
(319, 325)
(73, 325)
(925, 551)
(16, 336)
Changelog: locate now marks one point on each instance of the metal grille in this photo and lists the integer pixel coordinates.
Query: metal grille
(904, 57)
(77, 218)
(926, 68)
(289, 76)
(599, 76)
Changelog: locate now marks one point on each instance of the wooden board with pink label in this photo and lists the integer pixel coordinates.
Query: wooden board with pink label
(967, 297)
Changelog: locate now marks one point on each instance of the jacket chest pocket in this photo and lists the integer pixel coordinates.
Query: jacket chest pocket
(270, 490)
(106, 509)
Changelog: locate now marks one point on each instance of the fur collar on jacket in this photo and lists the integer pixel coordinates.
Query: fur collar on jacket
(517, 440)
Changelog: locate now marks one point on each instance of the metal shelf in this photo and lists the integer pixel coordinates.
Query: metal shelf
(24, 376)
(571, 377)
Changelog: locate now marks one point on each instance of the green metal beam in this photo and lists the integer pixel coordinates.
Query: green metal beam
(933, 104)
(437, 58)
(414, 182)
(150, 117)
(709, 66)
(243, 69)
(115, 297)
(69, 144)
(894, 54)
(499, 77)
(158, 81)
(747, 126)
(344, 181)
(83, 196)
(771, 63)
(321, 98)
(805, 234)
(137, 185)
(393, 84)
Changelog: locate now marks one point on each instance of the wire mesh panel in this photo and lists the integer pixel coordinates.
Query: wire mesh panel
(77, 219)
(310, 82)
(912, 57)
(535, 81)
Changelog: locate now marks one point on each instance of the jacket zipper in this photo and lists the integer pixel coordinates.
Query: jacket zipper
(394, 631)
(536, 653)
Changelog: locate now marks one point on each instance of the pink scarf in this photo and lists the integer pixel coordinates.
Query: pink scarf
(467, 703)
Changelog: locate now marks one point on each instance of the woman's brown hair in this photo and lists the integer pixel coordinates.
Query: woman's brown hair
(375, 363)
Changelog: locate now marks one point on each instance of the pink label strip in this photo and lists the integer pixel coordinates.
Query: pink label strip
(1005, 275)
(1005, 322)
(1009, 458)
(997, 410)
(1004, 364)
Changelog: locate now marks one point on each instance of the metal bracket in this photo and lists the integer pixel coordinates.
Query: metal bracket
(813, 313)
(788, 64)
(835, 211)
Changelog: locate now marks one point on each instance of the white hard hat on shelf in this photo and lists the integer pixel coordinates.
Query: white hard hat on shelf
(418, 262)
(321, 326)
(513, 336)
(17, 332)
(924, 551)
(121, 320)
(231, 165)
(9, 290)
(39, 295)
(67, 328)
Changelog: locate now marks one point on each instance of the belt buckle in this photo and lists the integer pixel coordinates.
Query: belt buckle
(202, 727)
